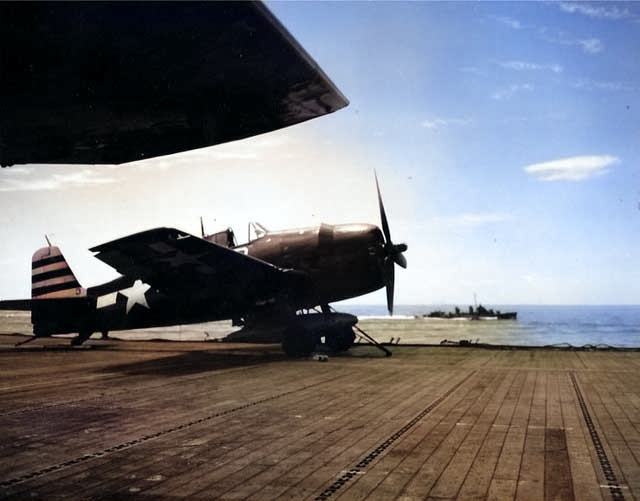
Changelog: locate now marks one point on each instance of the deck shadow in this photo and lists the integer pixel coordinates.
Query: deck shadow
(193, 362)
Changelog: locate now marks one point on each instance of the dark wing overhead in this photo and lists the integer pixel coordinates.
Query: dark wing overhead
(114, 82)
(177, 263)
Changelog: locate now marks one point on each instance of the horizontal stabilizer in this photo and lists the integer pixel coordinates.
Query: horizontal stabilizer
(51, 303)
(16, 304)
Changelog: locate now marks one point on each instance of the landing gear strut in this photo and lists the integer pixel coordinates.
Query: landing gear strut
(33, 338)
(80, 338)
(372, 341)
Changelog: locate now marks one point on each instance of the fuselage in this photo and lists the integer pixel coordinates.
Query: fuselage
(330, 263)
(342, 261)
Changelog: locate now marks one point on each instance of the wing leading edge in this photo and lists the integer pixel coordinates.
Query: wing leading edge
(115, 82)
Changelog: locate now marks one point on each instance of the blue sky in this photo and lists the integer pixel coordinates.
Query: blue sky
(506, 137)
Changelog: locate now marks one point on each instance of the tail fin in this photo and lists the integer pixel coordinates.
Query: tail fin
(51, 276)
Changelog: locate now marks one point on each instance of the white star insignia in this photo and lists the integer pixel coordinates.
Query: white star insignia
(135, 294)
(179, 259)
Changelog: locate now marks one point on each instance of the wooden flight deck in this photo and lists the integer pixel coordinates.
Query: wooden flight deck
(205, 420)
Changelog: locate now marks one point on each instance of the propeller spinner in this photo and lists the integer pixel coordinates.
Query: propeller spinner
(392, 253)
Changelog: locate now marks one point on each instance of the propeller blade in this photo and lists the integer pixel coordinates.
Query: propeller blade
(383, 214)
(389, 281)
(392, 253)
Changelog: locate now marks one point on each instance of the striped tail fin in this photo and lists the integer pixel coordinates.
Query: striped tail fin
(51, 276)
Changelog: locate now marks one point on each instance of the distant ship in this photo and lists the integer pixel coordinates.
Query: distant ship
(478, 313)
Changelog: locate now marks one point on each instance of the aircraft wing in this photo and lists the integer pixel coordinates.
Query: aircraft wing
(114, 82)
(178, 263)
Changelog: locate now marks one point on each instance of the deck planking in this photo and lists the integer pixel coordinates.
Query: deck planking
(202, 421)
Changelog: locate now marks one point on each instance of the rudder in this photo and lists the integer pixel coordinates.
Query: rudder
(51, 276)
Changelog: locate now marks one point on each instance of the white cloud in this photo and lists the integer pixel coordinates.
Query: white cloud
(591, 45)
(571, 169)
(527, 66)
(509, 92)
(603, 85)
(45, 178)
(473, 219)
(510, 22)
(439, 123)
(597, 11)
(474, 70)
(588, 45)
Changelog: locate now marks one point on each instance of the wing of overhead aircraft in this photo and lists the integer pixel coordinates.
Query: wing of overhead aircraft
(177, 263)
(115, 82)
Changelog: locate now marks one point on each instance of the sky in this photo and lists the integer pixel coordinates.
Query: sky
(505, 136)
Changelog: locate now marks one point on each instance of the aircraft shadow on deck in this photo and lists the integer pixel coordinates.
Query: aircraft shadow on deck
(194, 362)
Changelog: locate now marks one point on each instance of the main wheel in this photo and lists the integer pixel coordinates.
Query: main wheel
(340, 338)
(298, 342)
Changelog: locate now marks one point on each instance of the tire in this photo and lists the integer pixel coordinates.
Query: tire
(297, 342)
(340, 338)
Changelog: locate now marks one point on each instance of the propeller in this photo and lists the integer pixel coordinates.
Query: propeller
(392, 253)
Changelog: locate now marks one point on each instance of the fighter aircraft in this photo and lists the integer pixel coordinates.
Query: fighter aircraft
(115, 82)
(169, 277)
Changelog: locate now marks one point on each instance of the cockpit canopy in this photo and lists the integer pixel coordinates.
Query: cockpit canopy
(225, 238)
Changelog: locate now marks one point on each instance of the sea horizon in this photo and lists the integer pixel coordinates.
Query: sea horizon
(616, 326)
(536, 325)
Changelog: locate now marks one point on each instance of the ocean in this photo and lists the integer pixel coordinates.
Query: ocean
(536, 325)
